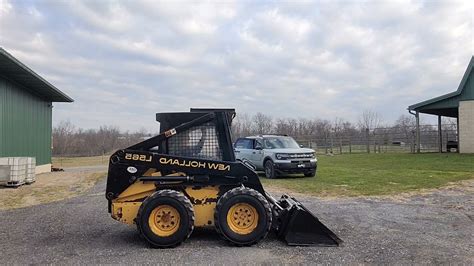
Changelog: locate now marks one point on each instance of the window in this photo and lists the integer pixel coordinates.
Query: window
(258, 143)
(244, 144)
(280, 143)
(197, 142)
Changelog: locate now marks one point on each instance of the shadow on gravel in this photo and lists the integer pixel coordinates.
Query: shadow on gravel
(210, 235)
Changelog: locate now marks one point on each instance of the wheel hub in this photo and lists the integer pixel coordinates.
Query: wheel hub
(242, 218)
(164, 220)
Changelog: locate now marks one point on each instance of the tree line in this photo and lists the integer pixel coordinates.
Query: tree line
(331, 136)
(244, 125)
(68, 140)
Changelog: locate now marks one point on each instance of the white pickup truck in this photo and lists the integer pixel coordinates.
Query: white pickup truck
(276, 154)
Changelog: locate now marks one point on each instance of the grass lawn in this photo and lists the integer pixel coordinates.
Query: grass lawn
(379, 174)
(357, 174)
(80, 161)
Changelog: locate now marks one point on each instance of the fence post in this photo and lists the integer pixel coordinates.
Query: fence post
(332, 144)
(375, 143)
(340, 145)
(367, 138)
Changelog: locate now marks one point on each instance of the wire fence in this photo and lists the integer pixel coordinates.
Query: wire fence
(384, 140)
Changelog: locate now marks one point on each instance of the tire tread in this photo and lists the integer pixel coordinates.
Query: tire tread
(243, 191)
(180, 197)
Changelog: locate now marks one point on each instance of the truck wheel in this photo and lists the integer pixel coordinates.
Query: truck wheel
(243, 216)
(310, 174)
(269, 169)
(166, 218)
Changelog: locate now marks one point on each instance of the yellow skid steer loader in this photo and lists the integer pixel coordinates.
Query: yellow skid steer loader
(187, 177)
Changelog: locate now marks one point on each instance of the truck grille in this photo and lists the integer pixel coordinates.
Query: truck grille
(293, 156)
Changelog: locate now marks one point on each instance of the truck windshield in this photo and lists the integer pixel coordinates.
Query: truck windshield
(280, 143)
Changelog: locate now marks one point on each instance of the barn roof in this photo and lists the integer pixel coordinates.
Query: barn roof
(447, 105)
(13, 69)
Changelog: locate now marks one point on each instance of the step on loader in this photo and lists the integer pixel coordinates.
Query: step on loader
(187, 177)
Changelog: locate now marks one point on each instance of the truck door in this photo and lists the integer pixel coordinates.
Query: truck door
(243, 149)
(256, 155)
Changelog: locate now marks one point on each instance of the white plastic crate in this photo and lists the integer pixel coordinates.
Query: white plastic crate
(30, 170)
(4, 173)
(18, 171)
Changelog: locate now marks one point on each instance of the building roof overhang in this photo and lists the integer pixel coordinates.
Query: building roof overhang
(14, 70)
(447, 104)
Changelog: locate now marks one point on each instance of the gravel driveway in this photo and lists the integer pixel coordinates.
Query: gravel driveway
(432, 228)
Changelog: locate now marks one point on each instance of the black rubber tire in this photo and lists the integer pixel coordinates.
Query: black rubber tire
(166, 197)
(256, 200)
(269, 168)
(310, 174)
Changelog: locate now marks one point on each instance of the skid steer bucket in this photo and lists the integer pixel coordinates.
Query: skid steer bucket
(299, 227)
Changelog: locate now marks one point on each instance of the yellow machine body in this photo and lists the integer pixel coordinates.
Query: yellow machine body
(204, 199)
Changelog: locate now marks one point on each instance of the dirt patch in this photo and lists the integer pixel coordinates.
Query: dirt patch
(49, 187)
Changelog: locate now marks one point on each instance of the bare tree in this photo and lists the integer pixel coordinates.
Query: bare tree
(241, 126)
(71, 141)
(63, 137)
(263, 124)
(369, 120)
(405, 125)
(449, 123)
(280, 126)
(317, 133)
(108, 136)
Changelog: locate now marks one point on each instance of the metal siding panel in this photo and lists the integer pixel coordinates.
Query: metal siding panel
(25, 123)
(2, 111)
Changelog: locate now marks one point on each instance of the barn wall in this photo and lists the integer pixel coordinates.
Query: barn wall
(25, 123)
(466, 126)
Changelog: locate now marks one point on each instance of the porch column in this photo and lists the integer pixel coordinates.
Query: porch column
(417, 132)
(440, 136)
(457, 133)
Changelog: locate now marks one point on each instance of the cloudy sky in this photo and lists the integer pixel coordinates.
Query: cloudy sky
(123, 61)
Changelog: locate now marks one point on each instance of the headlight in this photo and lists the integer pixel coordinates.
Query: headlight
(281, 156)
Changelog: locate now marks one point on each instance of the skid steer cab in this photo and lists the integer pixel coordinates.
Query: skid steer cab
(187, 177)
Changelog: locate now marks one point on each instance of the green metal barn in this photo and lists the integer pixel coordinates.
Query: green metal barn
(26, 112)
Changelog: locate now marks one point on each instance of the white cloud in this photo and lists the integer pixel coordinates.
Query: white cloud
(125, 60)
(5, 7)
